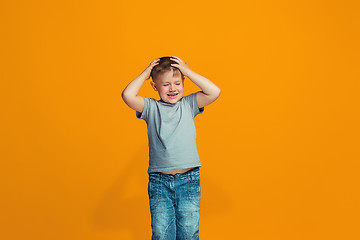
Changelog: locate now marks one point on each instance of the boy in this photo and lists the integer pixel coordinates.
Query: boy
(174, 164)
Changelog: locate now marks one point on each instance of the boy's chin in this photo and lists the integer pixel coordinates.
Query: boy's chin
(169, 100)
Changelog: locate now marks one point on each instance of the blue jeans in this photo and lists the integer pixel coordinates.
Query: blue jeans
(175, 205)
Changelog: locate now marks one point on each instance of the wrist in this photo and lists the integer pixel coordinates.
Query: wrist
(147, 73)
(187, 72)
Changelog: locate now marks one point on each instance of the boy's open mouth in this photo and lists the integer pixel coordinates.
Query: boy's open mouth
(172, 94)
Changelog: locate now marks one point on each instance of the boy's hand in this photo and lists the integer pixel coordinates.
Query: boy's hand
(150, 67)
(180, 65)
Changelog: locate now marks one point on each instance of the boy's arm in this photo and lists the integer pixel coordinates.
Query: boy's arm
(129, 94)
(210, 92)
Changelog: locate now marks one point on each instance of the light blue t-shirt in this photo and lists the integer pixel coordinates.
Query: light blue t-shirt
(171, 133)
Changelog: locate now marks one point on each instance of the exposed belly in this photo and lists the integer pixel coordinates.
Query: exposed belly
(173, 172)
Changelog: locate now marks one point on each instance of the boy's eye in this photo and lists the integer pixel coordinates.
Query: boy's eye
(166, 85)
(177, 83)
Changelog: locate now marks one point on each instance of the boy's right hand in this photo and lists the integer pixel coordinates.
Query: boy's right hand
(150, 67)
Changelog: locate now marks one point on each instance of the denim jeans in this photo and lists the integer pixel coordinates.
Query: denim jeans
(175, 205)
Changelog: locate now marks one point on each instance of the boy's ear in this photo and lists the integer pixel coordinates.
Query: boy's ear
(153, 85)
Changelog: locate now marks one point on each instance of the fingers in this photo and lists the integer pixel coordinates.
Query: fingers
(156, 60)
(180, 63)
(173, 58)
(176, 59)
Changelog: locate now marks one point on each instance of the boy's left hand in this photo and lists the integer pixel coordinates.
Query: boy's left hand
(180, 65)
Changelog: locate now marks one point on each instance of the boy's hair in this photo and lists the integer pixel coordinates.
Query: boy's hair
(164, 65)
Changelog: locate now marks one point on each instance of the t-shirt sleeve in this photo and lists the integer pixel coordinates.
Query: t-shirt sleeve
(145, 113)
(191, 99)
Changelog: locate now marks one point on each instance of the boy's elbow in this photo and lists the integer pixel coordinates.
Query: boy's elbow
(218, 92)
(125, 94)
(215, 94)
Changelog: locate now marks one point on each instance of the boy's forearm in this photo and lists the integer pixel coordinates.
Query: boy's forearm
(208, 87)
(133, 88)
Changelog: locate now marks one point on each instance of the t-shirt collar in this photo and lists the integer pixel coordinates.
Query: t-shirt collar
(169, 103)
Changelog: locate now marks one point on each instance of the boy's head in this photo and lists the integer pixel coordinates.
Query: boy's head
(167, 80)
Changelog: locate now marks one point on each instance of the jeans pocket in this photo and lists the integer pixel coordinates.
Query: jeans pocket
(154, 191)
(195, 190)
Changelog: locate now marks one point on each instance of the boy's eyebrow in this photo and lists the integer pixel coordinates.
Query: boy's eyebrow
(166, 81)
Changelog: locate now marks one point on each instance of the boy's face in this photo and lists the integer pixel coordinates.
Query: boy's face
(170, 87)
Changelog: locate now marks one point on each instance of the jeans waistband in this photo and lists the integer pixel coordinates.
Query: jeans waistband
(192, 172)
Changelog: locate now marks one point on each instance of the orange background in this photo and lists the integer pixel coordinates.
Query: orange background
(279, 148)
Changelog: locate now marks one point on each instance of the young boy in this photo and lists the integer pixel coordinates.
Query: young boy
(174, 173)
